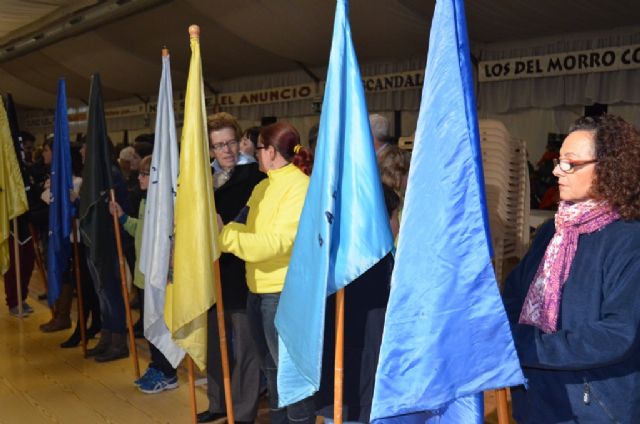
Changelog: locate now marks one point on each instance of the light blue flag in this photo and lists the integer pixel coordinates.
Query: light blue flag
(446, 335)
(60, 209)
(344, 227)
(157, 233)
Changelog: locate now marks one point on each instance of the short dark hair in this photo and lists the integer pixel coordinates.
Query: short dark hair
(143, 148)
(252, 133)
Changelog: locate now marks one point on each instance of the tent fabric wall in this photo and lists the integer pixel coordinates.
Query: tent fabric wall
(386, 101)
(533, 125)
(550, 92)
(529, 108)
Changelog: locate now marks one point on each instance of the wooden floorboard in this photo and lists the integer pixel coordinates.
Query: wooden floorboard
(42, 383)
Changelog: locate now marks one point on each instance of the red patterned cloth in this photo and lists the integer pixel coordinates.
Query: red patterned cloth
(542, 304)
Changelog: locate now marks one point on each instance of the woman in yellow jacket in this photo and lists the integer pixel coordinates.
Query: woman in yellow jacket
(263, 237)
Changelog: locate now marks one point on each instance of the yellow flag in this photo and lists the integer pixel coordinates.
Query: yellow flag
(13, 199)
(191, 293)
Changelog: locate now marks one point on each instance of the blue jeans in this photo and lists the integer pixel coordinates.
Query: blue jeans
(261, 311)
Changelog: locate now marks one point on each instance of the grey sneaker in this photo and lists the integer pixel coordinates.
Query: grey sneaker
(16, 312)
(26, 308)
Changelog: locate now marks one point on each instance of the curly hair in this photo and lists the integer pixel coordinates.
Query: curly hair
(617, 170)
(393, 164)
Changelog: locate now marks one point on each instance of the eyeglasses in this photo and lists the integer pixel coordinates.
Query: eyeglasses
(261, 147)
(218, 147)
(143, 174)
(569, 166)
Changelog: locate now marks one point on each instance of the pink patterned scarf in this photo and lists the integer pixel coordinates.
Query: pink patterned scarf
(542, 304)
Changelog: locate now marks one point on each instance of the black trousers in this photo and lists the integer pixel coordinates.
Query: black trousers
(158, 360)
(244, 364)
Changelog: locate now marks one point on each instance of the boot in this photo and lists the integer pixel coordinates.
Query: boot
(117, 349)
(56, 324)
(61, 319)
(103, 344)
(74, 339)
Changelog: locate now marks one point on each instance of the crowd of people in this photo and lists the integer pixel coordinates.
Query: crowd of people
(260, 180)
(571, 301)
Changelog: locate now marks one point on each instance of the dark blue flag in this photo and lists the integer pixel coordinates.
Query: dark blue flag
(60, 208)
(446, 336)
(96, 223)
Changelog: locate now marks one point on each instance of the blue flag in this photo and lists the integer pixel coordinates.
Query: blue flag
(446, 335)
(344, 227)
(60, 208)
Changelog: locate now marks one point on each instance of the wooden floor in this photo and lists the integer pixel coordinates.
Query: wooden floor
(42, 383)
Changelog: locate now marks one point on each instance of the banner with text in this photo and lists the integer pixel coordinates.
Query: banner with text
(407, 80)
(270, 95)
(580, 62)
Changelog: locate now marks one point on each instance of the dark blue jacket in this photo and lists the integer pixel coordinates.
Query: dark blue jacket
(589, 370)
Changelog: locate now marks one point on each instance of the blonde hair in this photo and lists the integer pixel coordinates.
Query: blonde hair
(221, 120)
(145, 164)
(127, 154)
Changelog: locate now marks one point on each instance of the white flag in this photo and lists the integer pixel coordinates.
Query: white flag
(155, 252)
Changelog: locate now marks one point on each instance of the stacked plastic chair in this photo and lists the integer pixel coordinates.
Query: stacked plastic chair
(507, 190)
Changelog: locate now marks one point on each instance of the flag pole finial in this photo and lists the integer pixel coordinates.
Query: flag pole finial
(194, 31)
(165, 51)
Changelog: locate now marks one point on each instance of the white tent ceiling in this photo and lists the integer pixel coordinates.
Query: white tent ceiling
(42, 40)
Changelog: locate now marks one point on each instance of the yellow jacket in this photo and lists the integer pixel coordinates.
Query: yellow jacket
(266, 240)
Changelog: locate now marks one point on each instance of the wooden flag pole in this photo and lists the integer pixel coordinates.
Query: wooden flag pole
(192, 390)
(338, 372)
(222, 334)
(503, 406)
(40, 263)
(16, 264)
(76, 265)
(39, 258)
(125, 290)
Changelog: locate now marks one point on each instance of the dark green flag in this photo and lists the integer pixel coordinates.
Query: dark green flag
(96, 223)
(15, 135)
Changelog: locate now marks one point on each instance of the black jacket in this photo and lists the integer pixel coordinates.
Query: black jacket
(38, 213)
(589, 370)
(230, 199)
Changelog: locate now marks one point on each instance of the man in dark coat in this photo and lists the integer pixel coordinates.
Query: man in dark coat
(233, 185)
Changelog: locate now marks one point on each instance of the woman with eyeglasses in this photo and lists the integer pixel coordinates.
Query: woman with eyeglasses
(573, 301)
(265, 242)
